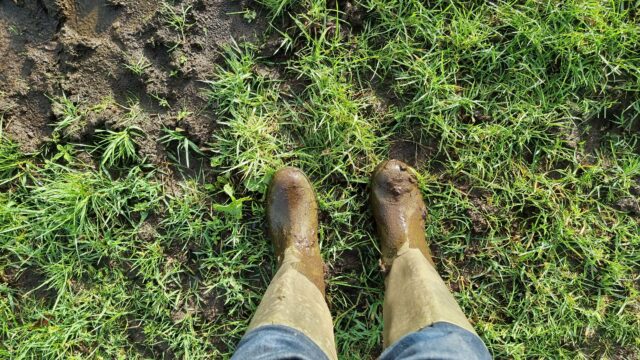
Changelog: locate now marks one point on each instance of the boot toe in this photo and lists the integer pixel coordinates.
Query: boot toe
(292, 210)
(289, 178)
(394, 178)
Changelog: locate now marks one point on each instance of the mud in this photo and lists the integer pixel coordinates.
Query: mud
(629, 204)
(29, 281)
(80, 48)
(413, 153)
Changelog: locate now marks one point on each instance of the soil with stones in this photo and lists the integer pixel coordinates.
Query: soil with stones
(80, 49)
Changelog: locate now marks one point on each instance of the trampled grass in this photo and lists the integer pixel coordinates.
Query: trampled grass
(522, 121)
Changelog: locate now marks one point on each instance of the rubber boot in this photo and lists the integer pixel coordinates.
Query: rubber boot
(415, 295)
(295, 297)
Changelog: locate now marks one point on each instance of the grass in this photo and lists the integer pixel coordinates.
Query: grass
(184, 147)
(177, 20)
(521, 118)
(118, 146)
(138, 66)
(69, 114)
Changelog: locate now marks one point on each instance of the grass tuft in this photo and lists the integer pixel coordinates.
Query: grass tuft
(119, 147)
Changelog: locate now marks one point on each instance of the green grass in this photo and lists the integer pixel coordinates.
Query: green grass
(177, 19)
(69, 114)
(119, 146)
(183, 145)
(524, 116)
(138, 66)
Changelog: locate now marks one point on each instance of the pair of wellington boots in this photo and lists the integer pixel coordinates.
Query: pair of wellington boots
(415, 295)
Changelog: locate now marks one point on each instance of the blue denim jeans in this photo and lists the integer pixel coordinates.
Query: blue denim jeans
(439, 341)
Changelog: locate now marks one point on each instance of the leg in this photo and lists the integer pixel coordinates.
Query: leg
(293, 317)
(416, 297)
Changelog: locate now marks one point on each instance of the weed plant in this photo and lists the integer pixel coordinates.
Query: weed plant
(138, 66)
(177, 20)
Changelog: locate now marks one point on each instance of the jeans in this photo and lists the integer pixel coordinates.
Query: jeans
(441, 340)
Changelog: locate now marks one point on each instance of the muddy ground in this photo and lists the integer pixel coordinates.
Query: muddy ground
(80, 48)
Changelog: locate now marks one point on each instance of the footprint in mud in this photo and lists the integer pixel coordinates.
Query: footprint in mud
(89, 17)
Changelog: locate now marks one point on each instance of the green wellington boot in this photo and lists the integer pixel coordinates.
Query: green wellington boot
(415, 295)
(295, 297)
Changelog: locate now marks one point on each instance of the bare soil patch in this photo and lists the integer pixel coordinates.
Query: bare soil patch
(80, 48)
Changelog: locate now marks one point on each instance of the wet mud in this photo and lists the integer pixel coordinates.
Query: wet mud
(80, 48)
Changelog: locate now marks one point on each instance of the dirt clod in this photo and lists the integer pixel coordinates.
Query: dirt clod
(630, 205)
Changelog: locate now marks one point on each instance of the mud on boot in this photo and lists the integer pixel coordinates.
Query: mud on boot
(292, 216)
(399, 210)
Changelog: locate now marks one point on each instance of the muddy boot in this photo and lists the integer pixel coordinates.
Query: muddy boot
(295, 297)
(415, 295)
